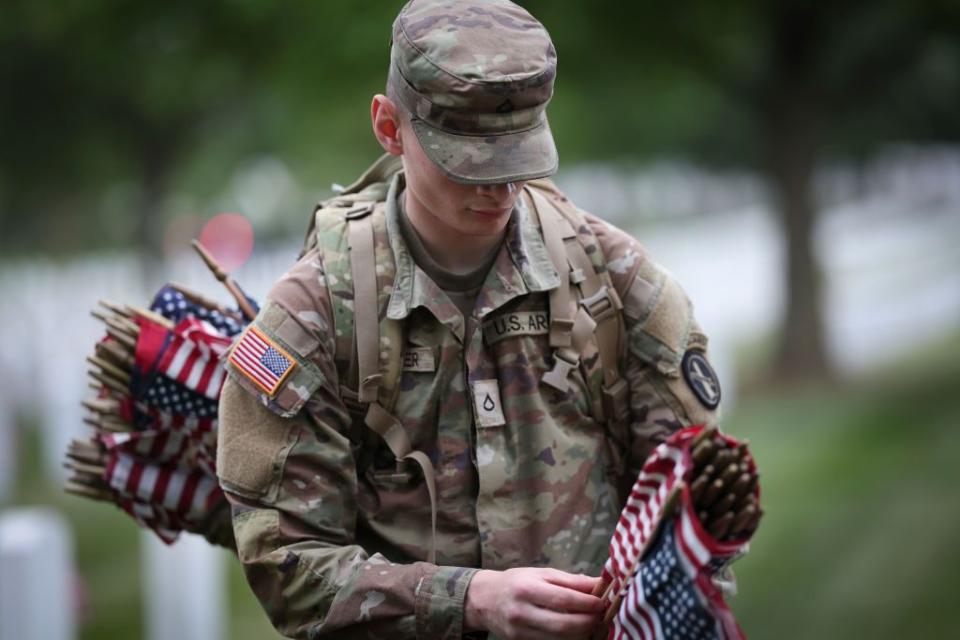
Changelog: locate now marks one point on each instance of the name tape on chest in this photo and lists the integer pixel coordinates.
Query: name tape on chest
(261, 360)
(419, 359)
(518, 323)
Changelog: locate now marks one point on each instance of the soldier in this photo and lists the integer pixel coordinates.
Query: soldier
(426, 429)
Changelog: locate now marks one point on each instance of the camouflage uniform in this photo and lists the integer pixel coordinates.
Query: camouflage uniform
(333, 532)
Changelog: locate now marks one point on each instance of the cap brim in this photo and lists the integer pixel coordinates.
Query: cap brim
(491, 159)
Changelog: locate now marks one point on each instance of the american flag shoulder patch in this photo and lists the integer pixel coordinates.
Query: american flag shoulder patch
(261, 360)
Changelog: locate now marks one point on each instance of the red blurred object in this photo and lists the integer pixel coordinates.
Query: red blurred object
(228, 237)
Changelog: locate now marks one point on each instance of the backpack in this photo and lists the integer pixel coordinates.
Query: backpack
(369, 346)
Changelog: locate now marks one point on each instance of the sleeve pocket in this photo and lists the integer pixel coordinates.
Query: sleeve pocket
(252, 443)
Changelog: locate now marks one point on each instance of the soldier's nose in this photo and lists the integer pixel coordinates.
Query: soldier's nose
(501, 192)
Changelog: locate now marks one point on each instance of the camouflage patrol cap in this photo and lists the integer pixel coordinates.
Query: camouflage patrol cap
(476, 77)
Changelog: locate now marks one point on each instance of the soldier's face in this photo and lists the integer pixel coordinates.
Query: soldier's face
(432, 198)
(460, 208)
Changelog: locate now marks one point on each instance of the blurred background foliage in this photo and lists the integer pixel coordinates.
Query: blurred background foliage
(121, 120)
(120, 116)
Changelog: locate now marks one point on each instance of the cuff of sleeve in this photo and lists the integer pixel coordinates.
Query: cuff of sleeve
(439, 602)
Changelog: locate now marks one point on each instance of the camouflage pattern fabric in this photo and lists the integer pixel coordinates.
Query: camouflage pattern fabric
(332, 532)
(476, 77)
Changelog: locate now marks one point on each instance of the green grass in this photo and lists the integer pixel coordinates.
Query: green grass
(859, 540)
(862, 520)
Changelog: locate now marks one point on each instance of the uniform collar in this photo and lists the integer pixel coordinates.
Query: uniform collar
(522, 266)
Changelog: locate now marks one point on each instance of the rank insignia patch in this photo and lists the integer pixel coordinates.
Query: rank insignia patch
(701, 378)
(261, 360)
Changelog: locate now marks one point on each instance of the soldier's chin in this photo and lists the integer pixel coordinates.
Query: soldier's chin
(493, 214)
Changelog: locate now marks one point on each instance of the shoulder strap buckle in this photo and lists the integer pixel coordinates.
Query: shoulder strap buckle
(359, 210)
(602, 304)
(564, 361)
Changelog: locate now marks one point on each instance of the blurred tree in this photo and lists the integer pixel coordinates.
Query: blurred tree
(109, 106)
(778, 87)
(112, 92)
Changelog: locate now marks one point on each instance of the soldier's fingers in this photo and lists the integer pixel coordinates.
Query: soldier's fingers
(560, 598)
(600, 586)
(579, 582)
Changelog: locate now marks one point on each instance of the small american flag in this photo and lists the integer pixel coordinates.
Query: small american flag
(192, 358)
(261, 360)
(161, 497)
(172, 304)
(163, 472)
(662, 559)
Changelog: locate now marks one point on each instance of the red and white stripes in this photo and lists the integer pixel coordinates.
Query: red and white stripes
(187, 495)
(193, 358)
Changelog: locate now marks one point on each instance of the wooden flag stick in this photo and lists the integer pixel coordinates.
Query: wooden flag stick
(85, 467)
(106, 374)
(128, 327)
(87, 492)
(114, 352)
(203, 301)
(107, 381)
(114, 307)
(110, 369)
(84, 458)
(150, 315)
(129, 312)
(227, 281)
(85, 451)
(101, 405)
(86, 446)
(706, 434)
(122, 338)
(117, 322)
(114, 426)
(105, 393)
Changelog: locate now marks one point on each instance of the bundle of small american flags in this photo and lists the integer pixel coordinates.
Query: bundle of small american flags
(685, 521)
(157, 375)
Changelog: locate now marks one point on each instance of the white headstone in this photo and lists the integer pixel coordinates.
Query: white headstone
(36, 576)
(184, 589)
(9, 447)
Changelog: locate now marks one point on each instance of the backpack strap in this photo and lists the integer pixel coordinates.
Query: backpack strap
(599, 300)
(367, 338)
(366, 307)
(597, 315)
(368, 350)
(555, 230)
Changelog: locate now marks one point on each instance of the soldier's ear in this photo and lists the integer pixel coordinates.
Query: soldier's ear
(386, 124)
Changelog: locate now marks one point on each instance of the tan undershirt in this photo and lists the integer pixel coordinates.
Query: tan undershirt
(461, 288)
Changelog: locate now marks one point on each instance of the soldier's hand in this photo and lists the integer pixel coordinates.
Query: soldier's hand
(532, 604)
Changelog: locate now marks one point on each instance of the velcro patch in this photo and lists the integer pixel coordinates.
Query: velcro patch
(261, 360)
(419, 359)
(518, 323)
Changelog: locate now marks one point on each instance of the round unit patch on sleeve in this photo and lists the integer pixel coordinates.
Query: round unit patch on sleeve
(701, 378)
